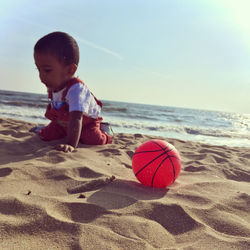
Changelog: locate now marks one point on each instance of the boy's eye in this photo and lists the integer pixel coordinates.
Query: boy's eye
(44, 70)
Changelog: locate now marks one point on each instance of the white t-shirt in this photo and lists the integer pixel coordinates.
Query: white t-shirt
(79, 98)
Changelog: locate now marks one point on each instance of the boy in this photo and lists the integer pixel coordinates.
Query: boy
(74, 110)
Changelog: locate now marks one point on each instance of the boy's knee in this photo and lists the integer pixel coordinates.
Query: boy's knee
(99, 138)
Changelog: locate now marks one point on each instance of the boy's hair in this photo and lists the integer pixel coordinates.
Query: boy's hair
(61, 45)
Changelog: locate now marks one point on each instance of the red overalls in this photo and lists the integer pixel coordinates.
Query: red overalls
(91, 133)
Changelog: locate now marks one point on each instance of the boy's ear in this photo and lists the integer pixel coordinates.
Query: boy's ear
(72, 69)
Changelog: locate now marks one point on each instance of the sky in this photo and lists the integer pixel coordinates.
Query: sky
(182, 53)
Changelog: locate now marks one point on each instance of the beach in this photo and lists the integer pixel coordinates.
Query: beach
(90, 199)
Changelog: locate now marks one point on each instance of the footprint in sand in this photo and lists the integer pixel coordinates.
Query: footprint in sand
(237, 174)
(5, 171)
(246, 156)
(86, 172)
(173, 218)
(194, 169)
(84, 212)
(14, 133)
(53, 157)
(130, 153)
(215, 152)
(240, 202)
(224, 222)
(110, 151)
(219, 159)
(64, 174)
(138, 136)
(197, 157)
(13, 206)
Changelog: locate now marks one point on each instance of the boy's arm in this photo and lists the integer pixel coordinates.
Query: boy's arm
(74, 132)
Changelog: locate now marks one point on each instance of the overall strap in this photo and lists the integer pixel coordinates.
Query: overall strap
(49, 94)
(71, 83)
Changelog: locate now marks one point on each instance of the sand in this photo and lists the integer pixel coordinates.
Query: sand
(56, 200)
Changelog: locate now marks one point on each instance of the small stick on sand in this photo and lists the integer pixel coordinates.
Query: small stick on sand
(91, 185)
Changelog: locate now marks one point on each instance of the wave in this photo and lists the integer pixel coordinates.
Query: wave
(193, 132)
(113, 109)
(18, 115)
(24, 104)
(181, 123)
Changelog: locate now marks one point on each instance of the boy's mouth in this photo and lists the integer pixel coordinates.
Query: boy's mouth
(47, 85)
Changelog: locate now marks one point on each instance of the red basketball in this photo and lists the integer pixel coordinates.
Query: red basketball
(156, 163)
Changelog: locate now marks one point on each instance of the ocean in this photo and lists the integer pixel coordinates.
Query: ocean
(213, 127)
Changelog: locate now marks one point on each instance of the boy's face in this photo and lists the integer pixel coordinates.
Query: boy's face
(52, 72)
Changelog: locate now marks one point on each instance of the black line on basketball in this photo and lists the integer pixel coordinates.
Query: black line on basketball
(152, 182)
(169, 156)
(173, 169)
(173, 166)
(169, 149)
(149, 151)
(150, 163)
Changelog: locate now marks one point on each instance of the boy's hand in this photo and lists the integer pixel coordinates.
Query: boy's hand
(65, 148)
(74, 132)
